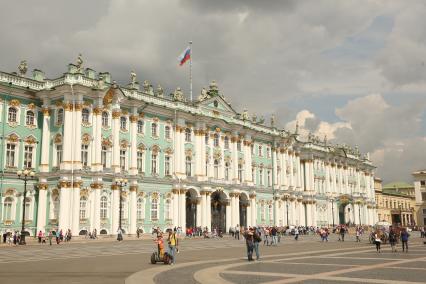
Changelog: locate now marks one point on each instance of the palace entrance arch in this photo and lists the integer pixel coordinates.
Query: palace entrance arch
(243, 204)
(218, 211)
(191, 208)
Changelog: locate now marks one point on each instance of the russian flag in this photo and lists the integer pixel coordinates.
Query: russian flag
(185, 56)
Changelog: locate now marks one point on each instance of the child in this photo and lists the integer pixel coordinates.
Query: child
(160, 243)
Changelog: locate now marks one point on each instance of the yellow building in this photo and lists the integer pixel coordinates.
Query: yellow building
(395, 202)
(420, 191)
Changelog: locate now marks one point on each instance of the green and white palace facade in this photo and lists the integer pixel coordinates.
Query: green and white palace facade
(188, 163)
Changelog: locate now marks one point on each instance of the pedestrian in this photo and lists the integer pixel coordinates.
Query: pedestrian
(119, 235)
(173, 245)
(40, 235)
(404, 239)
(237, 232)
(50, 238)
(296, 234)
(342, 233)
(358, 235)
(58, 236)
(377, 241)
(249, 244)
(274, 236)
(257, 239)
(392, 240)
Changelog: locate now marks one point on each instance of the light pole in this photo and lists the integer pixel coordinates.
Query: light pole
(332, 210)
(359, 213)
(120, 183)
(25, 176)
(286, 198)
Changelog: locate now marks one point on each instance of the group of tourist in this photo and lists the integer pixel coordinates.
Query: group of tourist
(393, 236)
(172, 243)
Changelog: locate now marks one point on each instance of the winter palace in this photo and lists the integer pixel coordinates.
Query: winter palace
(187, 163)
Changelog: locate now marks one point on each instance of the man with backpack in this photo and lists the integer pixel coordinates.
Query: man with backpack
(257, 239)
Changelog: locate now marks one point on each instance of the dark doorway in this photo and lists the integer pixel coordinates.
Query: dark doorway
(218, 208)
(244, 203)
(191, 210)
(342, 213)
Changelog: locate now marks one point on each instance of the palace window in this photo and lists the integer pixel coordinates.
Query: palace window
(226, 142)
(7, 208)
(188, 166)
(105, 119)
(83, 207)
(123, 123)
(154, 209)
(269, 178)
(187, 135)
(12, 114)
(206, 138)
(104, 152)
(140, 161)
(154, 130)
(262, 212)
(140, 126)
(29, 118)
(167, 132)
(216, 140)
(239, 146)
(260, 150)
(268, 152)
(58, 154)
(28, 215)
(167, 209)
(154, 164)
(85, 115)
(10, 155)
(261, 176)
(104, 207)
(167, 171)
(240, 172)
(28, 156)
(139, 209)
(123, 159)
(227, 171)
(60, 116)
(216, 169)
(85, 155)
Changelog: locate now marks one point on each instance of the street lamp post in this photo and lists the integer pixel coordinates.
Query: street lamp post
(332, 210)
(120, 183)
(25, 176)
(359, 213)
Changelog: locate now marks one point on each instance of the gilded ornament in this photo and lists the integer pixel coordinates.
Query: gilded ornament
(58, 139)
(133, 118)
(13, 138)
(43, 186)
(15, 103)
(30, 140)
(97, 110)
(124, 144)
(78, 107)
(85, 139)
(116, 114)
(31, 106)
(46, 111)
(133, 188)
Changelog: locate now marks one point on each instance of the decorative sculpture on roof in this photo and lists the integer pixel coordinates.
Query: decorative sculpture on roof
(262, 120)
(133, 78)
(203, 95)
(159, 92)
(297, 128)
(146, 86)
(213, 89)
(23, 68)
(273, 120)
(245, 115)
(325, 139)
(79, 63)
(254, 118)
(178, 95)
(101, 82)
(310, 137)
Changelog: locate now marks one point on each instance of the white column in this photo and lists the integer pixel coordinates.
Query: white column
(314, 214)
(97, 206)
(64, 205)
(97, 140)
(237, 209)
(234, 158)
(298, 173)
(115, 205)
(176, 208)
(253, 210)
(232, 209)
(67, 137)
(275, 167)
(45, 146)
(290, 160)
(133, 169)
(182, 210)
(198, 221)
(42, 205)
(276, 215)
(228, 215)
(247, 160)
(77, 136)
(209, 211)
(199, 166)
(115, 164)
(203, 209)
(133, 188)
(75, 228)
(308, 214)
(284, 169)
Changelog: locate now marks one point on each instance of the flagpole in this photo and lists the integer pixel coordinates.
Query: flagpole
(190, 69)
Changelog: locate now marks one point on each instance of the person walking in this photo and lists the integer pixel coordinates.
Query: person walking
(274, 236)
(377, 241)
(257, 239)
(119, 235)
(40, 235)
(237, 232)
(172, 240)
(58, 236)
(404, 239)
(50, 237)
(392, 240)
(358, 235)
(249, 244)
(296, 234)
(342, 233)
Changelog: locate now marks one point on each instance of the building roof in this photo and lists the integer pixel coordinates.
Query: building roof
(397, 184)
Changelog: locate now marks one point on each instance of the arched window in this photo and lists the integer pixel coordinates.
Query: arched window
(29, 118)
(167, 165)
(85, 115)
(139, 208)
(12, 114)
(187, 135)
(7, 208)
(227, 171)
(60, 116)
(271, 214)
(123, 123)
(104, 207)
(154, 132)
(167, 211)
(206, 138)
(28, 156)
(140, 126)
(269, 178)
(85, 155)
(216, 169)
(105, 119)
(11, 155)
(240, 172)
(83, 207)
(104, 153)
(167, 132)
(216, 140)
(28, 215)
(226, 142)
(260, 150)
(154, 163)
(58, 154)
(154, 209)
(188, 166)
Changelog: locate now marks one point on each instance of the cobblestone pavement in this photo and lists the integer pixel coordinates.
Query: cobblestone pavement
(213, 261)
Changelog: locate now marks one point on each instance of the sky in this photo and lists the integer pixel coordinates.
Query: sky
(352, 70)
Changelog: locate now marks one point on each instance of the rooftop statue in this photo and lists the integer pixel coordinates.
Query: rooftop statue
(79, 63)
(297, 128)
(245, 115)
(101, 82)
(273, 120)
(133, 78)
(178, 95)
(213, 86)
(146, 86)
(203, 95)
(213, 89)
(325, 139)
(23, 68)
(310, 137)
(262, 120)
(254, 118)
(160, 91)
